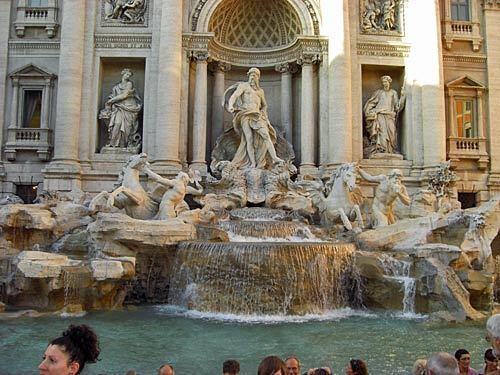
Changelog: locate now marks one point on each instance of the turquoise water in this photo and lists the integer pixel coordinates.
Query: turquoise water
(146, 337)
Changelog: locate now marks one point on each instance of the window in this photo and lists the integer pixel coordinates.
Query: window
(37, 3)
(27, 192)
(465, 118)
(32, 108)
(460, 10)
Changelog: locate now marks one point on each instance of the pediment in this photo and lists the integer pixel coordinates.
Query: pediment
(465, 82)
(32, 71)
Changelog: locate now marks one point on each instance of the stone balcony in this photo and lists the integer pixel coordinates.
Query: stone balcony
(462, 30)
(36, 17)
(28, 139)
(468, 148)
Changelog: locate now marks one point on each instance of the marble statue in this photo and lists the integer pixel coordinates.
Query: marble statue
(440, 182)
(381, 112)
(257, 136)
(389, 189)
(371, 15)
(283, 193)
(493, 333)
(339, 198)
(120, 114)
(173, 192)
(125, 11)
(130, 195)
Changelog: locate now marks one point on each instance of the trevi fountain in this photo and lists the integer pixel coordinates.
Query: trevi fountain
(201, 180)
(248, 246)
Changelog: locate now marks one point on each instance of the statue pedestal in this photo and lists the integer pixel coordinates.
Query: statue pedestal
(107, 150)
(386, 156)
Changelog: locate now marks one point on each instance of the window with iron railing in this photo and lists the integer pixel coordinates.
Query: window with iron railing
(465, 119)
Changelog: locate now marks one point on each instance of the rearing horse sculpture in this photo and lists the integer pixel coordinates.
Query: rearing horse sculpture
(130, 195)
(342, 197)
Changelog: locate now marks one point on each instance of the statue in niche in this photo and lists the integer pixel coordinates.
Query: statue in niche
(257, 136)
(381, 113)
(126, 11)
(389, 189)
(120, 114)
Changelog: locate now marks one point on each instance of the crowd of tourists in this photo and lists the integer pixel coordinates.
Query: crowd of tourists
(79, 345)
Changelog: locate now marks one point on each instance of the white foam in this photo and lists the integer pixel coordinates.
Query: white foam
(233, 237)
(331, 315)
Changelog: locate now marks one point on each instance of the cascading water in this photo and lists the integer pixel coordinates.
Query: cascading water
(400, 270)
(74, 279)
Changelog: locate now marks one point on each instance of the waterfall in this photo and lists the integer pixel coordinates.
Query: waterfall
(400, 270)
(74, 280)
(263, 278)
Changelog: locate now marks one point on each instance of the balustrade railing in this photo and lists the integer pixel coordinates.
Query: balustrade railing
(35, 14)
(461, 27)
(28, 139)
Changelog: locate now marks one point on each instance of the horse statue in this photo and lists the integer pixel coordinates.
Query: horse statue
(339, 198)
(130, 195)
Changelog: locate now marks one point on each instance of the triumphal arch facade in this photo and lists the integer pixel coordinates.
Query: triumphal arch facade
(404, 84)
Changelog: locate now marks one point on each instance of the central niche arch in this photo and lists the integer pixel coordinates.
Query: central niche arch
(255, 24)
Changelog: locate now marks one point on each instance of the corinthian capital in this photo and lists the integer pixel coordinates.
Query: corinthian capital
(287, 67)
(308, 59)
(200, 56)
(220, 66)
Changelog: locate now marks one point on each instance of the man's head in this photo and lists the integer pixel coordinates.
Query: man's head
(396, 174)
(253, 76)
(493, 332)
(442, 364)
(292, 365)
(386, 82)
(166, 370)
(231, 367)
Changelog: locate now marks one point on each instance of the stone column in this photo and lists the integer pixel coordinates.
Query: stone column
(286, 99)
(200, 113)
(69, 95)
(5, 7)
(307, 128)
(480, 115)
(219, 70)
(425, 70)
(46, 103)
(15, 103)
(339, 80)
(492, 30)
(452, 115)
(166, 150)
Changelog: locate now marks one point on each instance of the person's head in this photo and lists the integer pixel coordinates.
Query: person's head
(272, 365)
(127, 73)
(253, 76)
(490, 361)
(231, 367)
(131, 372)
(493, 332)
(320, 371)
(68, 354)
(442, 364)
(419, 367)
(356, 367)
(396, 175)
(292, 364)
(463, 358)
(386, 82)
(166, 370)
(184, 177)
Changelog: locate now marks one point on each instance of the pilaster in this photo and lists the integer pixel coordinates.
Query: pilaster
(4, 37)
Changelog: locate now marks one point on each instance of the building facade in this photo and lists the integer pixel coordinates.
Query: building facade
(85, 84)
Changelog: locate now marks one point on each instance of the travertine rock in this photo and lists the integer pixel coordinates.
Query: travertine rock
(38, 264)
(119, 234)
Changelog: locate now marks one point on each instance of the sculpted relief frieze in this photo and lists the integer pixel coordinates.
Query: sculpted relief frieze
(124, 12)
(382, 49)
(381, 17)
(491, 4)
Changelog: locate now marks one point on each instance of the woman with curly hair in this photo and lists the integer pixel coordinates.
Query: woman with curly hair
(68, 354)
